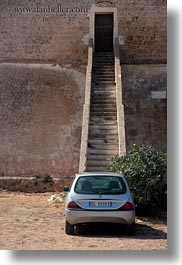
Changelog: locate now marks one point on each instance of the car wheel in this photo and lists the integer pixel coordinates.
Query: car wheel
(131, 229)
(69, 228)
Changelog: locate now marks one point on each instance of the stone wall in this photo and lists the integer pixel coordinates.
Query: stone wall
(142, 31)
(43, 59)
(145, 105)
(40, 119)
(58, 30)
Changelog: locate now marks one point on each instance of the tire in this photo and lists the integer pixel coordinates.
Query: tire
(69, 229)
(131, 229)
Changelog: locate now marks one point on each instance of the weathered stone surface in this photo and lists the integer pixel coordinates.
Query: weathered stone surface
(145, 117)
(43, 56)
(45, 183)
(40, 119)
(47, 30)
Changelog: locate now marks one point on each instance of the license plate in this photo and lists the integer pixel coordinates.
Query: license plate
(100, 204)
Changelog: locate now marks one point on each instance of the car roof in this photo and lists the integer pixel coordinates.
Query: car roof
(89, 174)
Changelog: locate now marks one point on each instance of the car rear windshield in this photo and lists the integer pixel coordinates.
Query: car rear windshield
(100, 185)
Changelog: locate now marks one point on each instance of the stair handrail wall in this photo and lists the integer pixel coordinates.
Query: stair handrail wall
(86, 111)
(119, 101)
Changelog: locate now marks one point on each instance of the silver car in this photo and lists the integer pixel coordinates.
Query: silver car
(99, 197)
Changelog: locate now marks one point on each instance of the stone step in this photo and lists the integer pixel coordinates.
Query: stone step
(103, 83)
(103, 79)
(100, 63)
(104, 123)
(103, 99)
(102, 71)
(102, 110)
(104, 146)
(108, 98)
(102, 119)
(101, 152)
(103, 132)
(103, 53)
(96, 169)
(99, 157)
(111, 117)
(104, 86)
(96, 141)
(99, 73)
(106, 62)
(104, 76)
(104, 103)
(104, 58)
(103, 66)
(101, 93)
(103, 90)
(99, 163)
(99, 119)
(93, 112)
(109, 55)
(100, 131)
(104, 114)
(107, 137)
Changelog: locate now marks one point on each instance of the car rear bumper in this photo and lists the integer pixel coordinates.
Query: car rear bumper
(82, 216)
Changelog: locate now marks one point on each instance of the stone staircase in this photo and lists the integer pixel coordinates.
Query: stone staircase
(103, 130)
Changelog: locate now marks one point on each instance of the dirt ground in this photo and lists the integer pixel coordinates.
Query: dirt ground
(31, 222)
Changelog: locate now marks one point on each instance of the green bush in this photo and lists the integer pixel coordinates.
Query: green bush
(142, 167)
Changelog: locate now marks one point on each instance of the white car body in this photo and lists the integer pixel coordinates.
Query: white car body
(100, 202)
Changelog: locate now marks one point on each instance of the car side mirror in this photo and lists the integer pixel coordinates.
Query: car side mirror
(132, 189)
(66, 189)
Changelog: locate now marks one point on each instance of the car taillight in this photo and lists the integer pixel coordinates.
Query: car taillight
(127, 207)
(73, 205)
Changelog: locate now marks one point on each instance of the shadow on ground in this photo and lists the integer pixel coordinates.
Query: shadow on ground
(105, 230)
